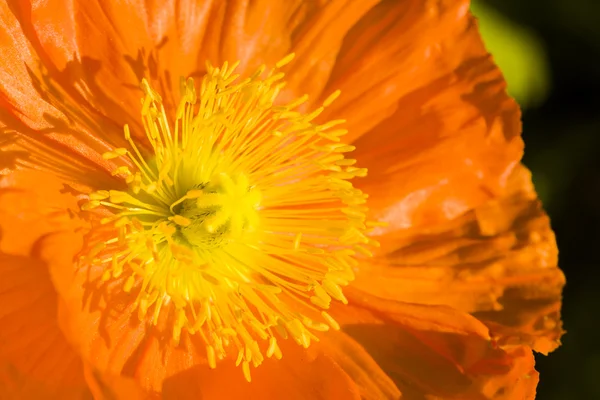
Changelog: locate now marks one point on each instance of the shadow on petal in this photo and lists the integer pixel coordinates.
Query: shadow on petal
(425, 364)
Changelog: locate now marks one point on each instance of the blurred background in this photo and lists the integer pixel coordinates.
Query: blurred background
(549, 51)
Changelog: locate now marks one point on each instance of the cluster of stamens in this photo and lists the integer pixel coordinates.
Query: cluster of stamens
(239, 216)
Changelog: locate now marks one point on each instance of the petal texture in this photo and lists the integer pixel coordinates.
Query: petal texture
(453, 134)
(498, 261)
(66, 101)
(42, 109)
(437, 352)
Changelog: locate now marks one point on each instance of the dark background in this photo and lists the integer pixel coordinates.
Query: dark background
(551, 60)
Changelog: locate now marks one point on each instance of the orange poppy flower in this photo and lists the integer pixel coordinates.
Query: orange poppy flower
(215, 239)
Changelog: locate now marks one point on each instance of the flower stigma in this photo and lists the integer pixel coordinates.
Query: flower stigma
(239, 222)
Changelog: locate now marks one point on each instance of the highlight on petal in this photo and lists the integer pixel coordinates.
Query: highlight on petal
(464, 225)
(437, 351)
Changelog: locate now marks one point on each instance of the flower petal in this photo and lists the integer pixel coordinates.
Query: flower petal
(453, 136)
(42, 115)
(105, 334)
(497, 261)
(351, 356)
(264, 31)
(101, 321)
(32, 205)
(396, 49)
(131, 40)
(437, 351)
(66, 101)
(300, 374)
(111, 387)
(36, 361)
(315, 57)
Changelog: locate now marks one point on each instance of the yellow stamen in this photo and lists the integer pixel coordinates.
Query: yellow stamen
(239, 215)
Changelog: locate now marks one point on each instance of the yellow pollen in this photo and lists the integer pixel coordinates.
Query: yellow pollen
(239, 221)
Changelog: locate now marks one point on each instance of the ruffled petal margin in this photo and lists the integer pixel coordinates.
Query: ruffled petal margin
(498, 262)
(449, 146)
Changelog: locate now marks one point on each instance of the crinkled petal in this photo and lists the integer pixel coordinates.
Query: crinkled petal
(497, 261)
(452, 140)
(65, 101)
(43, 116)
(436, 351)
(396, 49)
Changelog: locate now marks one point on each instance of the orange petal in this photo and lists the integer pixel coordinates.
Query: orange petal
(436, 351)
(113, 387)
(454, 134)
(36, 361)
(300, 374)
(106, 334)
(99, 77)
(396, 49)
(32, 205)
(102, 323)
(317, 42)
(126, 36)
(264, 31)
(57, 83)
(40, 108)
(165, 40)
(19, 62)
(497, 261)
(372, 381)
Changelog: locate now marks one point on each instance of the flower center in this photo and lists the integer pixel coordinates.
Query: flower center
(239, 216)
(225, 207)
